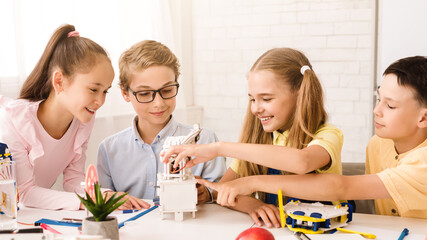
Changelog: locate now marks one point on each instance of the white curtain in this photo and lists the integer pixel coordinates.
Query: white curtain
(26, 26)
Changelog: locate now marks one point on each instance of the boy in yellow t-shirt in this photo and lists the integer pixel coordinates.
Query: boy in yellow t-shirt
(396, 157)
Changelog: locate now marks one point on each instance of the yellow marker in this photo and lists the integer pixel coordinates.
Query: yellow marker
(282, 213)
(368, 235)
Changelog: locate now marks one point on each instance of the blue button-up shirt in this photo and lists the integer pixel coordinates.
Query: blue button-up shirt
(127, 164)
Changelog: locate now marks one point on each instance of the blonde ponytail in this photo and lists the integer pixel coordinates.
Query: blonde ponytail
(309, 115)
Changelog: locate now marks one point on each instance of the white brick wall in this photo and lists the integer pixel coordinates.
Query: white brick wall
(336, 35)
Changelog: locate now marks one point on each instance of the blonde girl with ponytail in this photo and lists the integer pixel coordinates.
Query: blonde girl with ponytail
(285, 131)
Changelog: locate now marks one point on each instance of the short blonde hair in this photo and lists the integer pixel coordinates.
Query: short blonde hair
(143, 55)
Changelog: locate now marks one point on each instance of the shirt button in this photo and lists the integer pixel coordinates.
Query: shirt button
(151, 155)
(152, 184)
(393, 211)
(397, 157)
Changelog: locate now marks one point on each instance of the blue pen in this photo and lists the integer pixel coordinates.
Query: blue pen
(130, 211)
(138, 216)
(124, 211)
(404, 233)
(55, 222)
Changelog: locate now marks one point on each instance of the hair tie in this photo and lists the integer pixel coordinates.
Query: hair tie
(73, 34)
(304, 68)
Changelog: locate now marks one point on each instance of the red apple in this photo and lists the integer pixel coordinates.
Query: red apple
(255, 234)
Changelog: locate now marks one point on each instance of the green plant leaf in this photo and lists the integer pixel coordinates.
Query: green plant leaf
(113, 203)
(101, 207)
(88, 202)
(113, 208)
(98, 194)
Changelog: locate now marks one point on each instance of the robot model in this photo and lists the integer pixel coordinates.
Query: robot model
(177, 186)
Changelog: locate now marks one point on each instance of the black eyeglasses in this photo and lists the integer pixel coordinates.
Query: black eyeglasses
(146, 96)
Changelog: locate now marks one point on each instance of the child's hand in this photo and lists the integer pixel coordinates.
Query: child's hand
(200, 152)
(203, 194)
(131, 203)
(268, 213)
(228, 191)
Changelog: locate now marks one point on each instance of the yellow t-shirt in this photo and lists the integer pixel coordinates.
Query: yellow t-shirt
(328, 136)
(404, 176)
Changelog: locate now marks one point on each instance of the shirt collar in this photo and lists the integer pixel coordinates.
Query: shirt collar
(135, 132)
(167, 131)
(24, 115)
(402, 155)
(280, 138)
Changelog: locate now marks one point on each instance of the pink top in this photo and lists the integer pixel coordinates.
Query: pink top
(40, 159)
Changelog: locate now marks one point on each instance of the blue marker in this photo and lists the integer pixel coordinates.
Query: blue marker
(130, 211)
(124, 211)
(137, 216)
(55, 222)
(404, 233)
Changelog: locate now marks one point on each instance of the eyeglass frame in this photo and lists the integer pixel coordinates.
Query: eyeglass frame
(155, 92)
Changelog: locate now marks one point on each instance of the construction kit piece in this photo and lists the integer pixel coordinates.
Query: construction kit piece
(4, 153)
(313, 218)
(316, 217)
(8, 191)
(177, 186)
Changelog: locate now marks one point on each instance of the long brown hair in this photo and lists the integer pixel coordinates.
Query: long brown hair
(309, 113)
(69, 54)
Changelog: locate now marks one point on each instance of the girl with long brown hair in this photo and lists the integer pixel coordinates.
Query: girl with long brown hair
(47, 129)
(284, 132)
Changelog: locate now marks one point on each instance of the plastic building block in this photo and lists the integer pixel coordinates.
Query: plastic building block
(4, 153)
(312, 218)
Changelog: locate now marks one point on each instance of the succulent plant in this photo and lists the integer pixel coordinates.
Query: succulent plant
(101, 207)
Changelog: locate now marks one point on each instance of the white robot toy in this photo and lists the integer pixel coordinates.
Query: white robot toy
(177, 187)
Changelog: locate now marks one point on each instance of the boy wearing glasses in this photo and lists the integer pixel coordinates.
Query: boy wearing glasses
(128, 161)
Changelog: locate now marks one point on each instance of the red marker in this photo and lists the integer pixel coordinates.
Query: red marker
(48, 228)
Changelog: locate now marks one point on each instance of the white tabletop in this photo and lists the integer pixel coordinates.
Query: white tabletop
(215, 222)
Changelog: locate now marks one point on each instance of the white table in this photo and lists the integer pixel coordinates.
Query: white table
(216, 222)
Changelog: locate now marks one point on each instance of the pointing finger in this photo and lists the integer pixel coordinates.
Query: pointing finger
(208, 184)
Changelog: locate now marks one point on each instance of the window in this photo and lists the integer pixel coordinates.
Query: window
(116, 25)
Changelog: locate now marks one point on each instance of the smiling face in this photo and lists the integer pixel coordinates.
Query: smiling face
(155, 114)
(397, 113)
(86, 92)
(272, 100)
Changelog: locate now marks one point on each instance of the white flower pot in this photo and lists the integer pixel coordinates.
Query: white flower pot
(108, 228)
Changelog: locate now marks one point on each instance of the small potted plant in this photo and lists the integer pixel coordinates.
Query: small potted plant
(100, 223)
